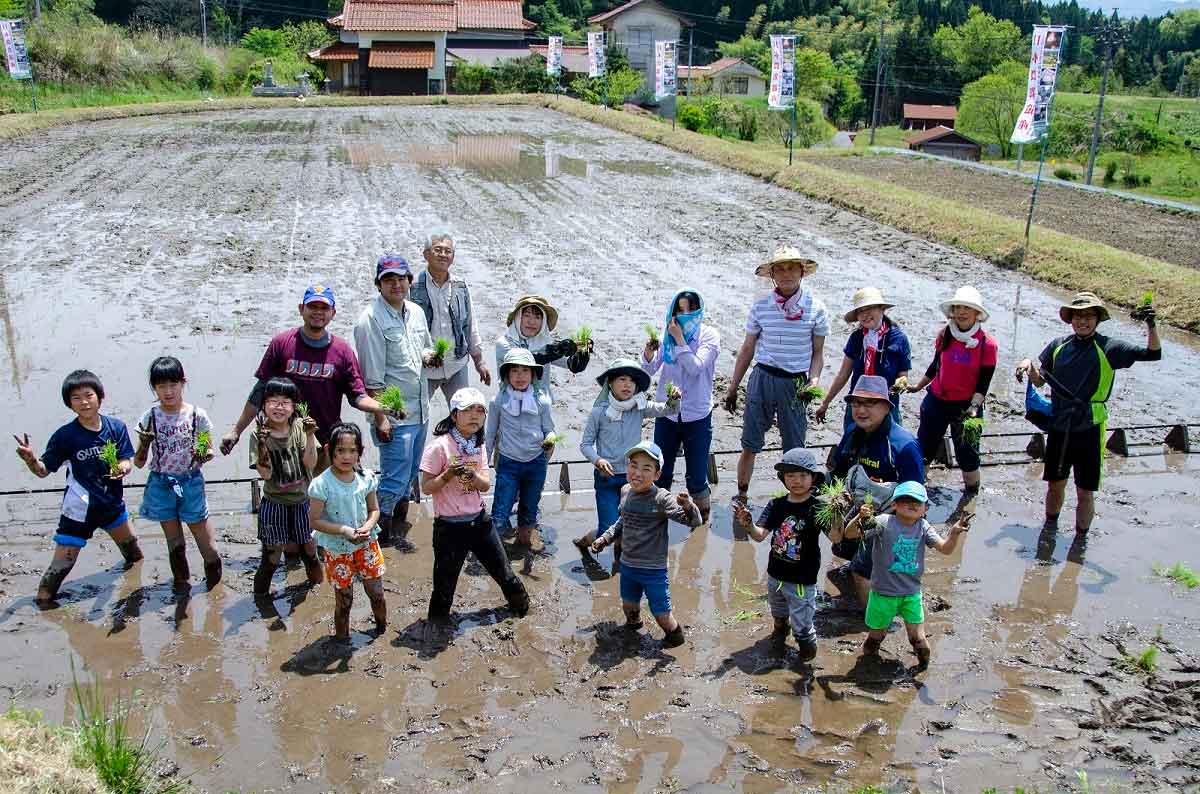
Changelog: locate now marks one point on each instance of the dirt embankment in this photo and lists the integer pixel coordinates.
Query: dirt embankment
(1170, 235)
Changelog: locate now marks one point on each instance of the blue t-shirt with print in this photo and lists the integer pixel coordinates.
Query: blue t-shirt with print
(91, 494)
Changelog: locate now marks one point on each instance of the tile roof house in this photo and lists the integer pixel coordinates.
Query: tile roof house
(924, 117)
(635, 26)
(401, 46)
(726, 77)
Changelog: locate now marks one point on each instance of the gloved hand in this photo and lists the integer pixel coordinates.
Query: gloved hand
(560, 348)
(1149, 315)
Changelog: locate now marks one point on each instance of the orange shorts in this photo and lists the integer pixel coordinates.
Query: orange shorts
(367, 562)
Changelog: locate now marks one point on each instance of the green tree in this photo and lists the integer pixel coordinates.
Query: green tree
(755, 52)
(305, 36)
(266, 42)
(979, 45)
(990, 106)
(610, 90)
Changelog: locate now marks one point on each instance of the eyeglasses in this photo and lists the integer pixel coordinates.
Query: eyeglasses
(438, 249)
(282, 402)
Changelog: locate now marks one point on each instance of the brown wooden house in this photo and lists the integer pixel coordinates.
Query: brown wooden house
(926, 117)
(946, 142)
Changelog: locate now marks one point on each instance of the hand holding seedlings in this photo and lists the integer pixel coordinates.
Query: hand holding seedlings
(1144, 311)
(901, 385)
(441, 347)
(583, 339)
(741, 515)
(674, 393)
(202, 449)
(684, 500)
(604, 467)
(392, 399)
(549, 442)
(653, 341)
(309, 424)
(116, 467)
(598, 545)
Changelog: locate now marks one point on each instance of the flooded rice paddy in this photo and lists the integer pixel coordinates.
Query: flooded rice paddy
(195, 235)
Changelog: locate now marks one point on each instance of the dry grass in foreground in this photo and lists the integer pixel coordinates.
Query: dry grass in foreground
(36, 758)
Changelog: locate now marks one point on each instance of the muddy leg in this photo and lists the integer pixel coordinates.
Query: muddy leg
(633, 615)
(873, 642)
(126, 542)
(673, 636)
(1056, 494)
(312, 566)
(745, 470)
(449, 554)
(374, 591)
(343, 599)
(916, 637)
(862, 588)
(208, 552)
(971, 480)
(271, 555)
(60, 565)
(1085, 510)
(177, 554)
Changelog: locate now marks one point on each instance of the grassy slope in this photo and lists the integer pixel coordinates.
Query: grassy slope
(36, 757)
(1063, 260)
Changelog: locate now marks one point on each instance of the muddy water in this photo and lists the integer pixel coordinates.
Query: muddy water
(196, 235)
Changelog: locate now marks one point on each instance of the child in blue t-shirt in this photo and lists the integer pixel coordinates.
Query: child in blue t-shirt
(98, 453)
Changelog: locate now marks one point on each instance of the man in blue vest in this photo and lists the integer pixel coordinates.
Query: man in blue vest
(1080, 369)
(449, 315)
(886, 453)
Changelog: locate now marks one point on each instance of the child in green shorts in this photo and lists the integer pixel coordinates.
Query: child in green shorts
(898, 562)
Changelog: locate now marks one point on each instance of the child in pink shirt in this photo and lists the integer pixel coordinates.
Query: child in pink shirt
(455, 473)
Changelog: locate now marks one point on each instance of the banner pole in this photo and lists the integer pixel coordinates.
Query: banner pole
(1033, 196)
(792, 137)
(33, 87)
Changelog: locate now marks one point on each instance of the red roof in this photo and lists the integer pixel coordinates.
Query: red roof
(935, 133)
(337, 51)
(607, 15)
(401, 55)
(426, 15)
(937, 112)
(495, 14)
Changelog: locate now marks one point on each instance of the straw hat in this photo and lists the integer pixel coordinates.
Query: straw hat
(966, 296)
(548, 311)
(1083, 300)
(783, 255)
(867, 296)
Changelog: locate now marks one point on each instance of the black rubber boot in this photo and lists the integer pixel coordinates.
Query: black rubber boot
(385, 530)
(400, 516)
(633, 619)
(923, 652)
(180, 571)
(871, 646)
(808, 649)
(212, 573)
(780, 634)
(518, 598)
(674, 638)
(130, 551)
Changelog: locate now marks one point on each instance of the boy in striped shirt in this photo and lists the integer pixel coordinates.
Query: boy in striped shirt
(785, 338)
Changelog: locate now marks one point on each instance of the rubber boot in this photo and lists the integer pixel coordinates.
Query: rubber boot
(212, 573)
(705, 505)
(633, 619)
(674, 638)
(130, 551)
(385, 530)
(871, 646)
(518, 598)
(400, 516)
(524, 537)
(780, 634)
(182, 574)
(584, 542)
(923, 652)
(808, 649)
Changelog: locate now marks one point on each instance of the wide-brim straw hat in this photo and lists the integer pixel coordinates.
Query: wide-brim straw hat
(548, 311)
(966, 296)
(867, 296)
(1083, 300)
(783, 255)
(625, 366)
(520, 357)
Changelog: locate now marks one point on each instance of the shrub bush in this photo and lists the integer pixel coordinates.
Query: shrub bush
(1065, 173)
(747, 124)
(1110, 172)
(471, 78)
(691, 117)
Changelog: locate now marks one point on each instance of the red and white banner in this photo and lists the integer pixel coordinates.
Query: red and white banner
(1044, 61)
(665, 55)
(783, 72)
(597, 58)
(15, 54)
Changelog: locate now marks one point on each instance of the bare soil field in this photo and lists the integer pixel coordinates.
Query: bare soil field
(1128, 225)
(195, 236)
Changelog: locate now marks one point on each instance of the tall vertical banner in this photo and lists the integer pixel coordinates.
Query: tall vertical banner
(1043, 74)
(15, 54)
(783, 72)
(666, 54)
(597, 58)
(554, 56)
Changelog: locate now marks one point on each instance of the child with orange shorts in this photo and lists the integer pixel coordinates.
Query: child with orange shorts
(344, 511)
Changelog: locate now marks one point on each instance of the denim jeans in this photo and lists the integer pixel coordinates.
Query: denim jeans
(696, 438)
(451, 543)
(521, 484)
(608, 499)
(399, 463)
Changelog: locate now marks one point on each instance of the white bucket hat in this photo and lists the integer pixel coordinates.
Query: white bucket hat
(966, 296)
(867, 296)
(467, 397)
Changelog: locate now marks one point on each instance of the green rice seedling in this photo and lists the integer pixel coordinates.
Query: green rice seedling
(745, 592)
(901, 385)
(392, 399)
(972, 430)
(806, 393)
(1147, 300)
(827, 508)
(108, 454)
(1147, 660)
(203, 443)
(552, 439)
(1146, 303)
(742, 615)
(673, 392)
(583, 336)
(652, 332)
(302, 410)
(1179, 572)
(441, 347)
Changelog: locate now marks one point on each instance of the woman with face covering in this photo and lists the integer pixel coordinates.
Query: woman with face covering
(687, 357)
(877, 346)
(964, 362)
(530, 324)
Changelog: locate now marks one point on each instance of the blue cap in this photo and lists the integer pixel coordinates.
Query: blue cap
(912, 489)
(319, 293)
(392, 263)
(646, 448)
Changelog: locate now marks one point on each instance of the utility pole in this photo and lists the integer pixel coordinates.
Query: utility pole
(1109, 35)
(878, 80)
(37, 8)
(203, 25)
